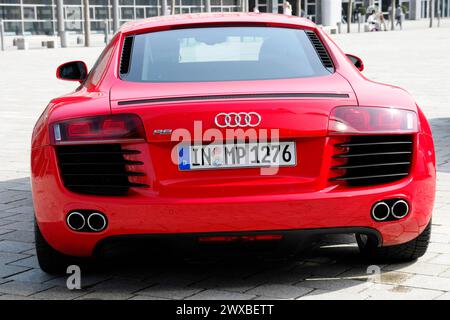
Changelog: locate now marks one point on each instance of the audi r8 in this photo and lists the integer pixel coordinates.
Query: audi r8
(241, 129)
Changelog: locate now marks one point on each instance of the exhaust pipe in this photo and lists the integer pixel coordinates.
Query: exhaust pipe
(400, 209)
(75, 221)
(96, 221)
(380, 211)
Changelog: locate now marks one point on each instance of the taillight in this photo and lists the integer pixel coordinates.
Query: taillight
(97, 129)
(362, 120)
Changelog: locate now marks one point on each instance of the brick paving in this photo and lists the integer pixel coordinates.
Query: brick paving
(415, 59)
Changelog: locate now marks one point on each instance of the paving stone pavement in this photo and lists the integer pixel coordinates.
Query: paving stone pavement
(415, 59)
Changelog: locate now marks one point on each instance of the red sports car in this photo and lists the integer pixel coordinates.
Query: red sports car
(229, 128)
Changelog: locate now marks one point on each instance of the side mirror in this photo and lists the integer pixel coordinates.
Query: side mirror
(356, 61)
(72, 71)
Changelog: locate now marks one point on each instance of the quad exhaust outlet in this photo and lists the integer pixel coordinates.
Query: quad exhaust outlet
(391, 209)
(381, 211)
(400, 209)
(96, 221)
(76, 221)
(86, 221)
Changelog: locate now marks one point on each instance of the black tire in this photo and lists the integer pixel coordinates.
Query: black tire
(50, 260)
(408, 251)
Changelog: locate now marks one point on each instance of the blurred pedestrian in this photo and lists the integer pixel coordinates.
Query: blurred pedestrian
(380, 19)
(373, 21)
(399, 16)
(255, 9)
(287, 8)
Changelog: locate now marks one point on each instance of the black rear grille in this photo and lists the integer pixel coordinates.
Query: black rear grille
(320, 49)
(97, 169)
(374, 159)
(126, 55)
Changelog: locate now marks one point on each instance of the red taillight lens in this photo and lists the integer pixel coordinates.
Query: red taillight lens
(112, 127)
(359, 120)
(79, 129)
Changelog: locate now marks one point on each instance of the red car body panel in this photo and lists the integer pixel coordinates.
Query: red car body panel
(298, 197)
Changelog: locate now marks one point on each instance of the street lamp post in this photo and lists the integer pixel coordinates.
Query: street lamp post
(208, 5)
(2, 36)
(164, 7)
(431, 13)
(244, 6)
(438, 4)
(116, 23)
(87, 24)
(61, 24)
(349, 15)
(392, 14)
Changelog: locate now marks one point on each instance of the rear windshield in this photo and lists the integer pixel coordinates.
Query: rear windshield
(223, 54)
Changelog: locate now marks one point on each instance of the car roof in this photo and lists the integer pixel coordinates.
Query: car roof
(159, 22)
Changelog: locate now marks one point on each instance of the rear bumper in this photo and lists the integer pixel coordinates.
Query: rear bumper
(245, 243)
(146, 215)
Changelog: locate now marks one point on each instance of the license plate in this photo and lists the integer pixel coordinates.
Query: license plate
(237, 155)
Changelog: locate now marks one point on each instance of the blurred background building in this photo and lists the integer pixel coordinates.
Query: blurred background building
(39, 17)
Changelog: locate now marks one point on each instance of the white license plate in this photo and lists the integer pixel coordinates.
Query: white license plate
(239, 155)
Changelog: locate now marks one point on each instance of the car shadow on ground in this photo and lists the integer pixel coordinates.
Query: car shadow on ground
(441, 134)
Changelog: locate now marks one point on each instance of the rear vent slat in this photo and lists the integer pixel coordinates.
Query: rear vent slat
(371, 143)
(320, 49)
(125, 58)
(127, 174)
(349, 155)
(370, 177)
(372, 160)
(94, 152)
(97, 169)
(128, 162)
(370, 165)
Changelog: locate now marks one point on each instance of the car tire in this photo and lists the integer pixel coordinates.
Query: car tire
(408, 251)
(50, 260)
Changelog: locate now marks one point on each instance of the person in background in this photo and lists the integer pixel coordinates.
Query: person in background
(380, 19)
(287, 8)
(355, 14)
(372, 21)
(255, 9)
(399, 16)
(343, 16)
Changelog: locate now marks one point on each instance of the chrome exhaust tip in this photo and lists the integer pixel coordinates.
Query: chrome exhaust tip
(76, 221)
(380, 211)
(96, 221)
(400, 209)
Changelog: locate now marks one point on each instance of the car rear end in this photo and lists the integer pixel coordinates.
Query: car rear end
(303, 157)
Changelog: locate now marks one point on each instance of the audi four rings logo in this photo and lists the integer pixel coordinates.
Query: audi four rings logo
(237, 119)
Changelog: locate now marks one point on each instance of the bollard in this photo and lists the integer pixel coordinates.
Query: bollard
(51, 44)
(2, 36)
(339, 26)
(22, 44)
